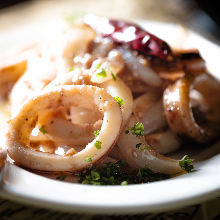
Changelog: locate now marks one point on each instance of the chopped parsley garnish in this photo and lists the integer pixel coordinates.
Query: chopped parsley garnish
(117, 174)
(98, 145)
(186, 164)
(61, 177)
(42, 130)
(101, 73)
(71, 69)
(98, 65)
(119, 100)
(113, 76)
(107, 174)
(95, 175)
(96, 133)
(139, 147)
(124, 183)
(145, 175)
(70, 18)
(137, 130)
(88, 159)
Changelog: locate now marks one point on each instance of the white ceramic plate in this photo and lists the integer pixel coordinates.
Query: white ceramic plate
(23, 186)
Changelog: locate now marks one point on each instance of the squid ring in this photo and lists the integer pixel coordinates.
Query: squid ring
(116, 88)
(179, 113)
(20, 127)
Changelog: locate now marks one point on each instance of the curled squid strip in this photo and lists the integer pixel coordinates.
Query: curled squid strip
(137, 158)
(179, 113)
(20, 127)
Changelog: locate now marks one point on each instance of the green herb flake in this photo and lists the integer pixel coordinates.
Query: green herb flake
(95, 175)
(145, 175)
(139, 147)
(113, 76)
(98, 145)
(96, 133)
(88, 159)
(186, 164)
(124, 183)
(119, 100)
(71, 69)
(61, 177)
(42, 130)
(117, 174)
(98, 65)
(101, 73)
(138, 129)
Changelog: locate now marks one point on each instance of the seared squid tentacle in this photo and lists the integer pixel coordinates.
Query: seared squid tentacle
(144, 156)
(20, 127)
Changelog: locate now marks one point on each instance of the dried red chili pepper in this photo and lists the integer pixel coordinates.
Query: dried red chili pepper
(134, 36)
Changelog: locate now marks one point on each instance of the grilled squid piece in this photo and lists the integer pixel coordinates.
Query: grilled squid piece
(148, 108)
(20, 127)
(116, 88)
(40, 71)
(144, 156)
(119, 89)
(140, 71)
(111, 66)
(56, 57)
(179, 113)
(163, 142)
(9, 74)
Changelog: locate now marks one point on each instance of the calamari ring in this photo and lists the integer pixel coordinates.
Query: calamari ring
(113, 87)
(137, 158)
(20, 127)
(120, 89)
(179, 113)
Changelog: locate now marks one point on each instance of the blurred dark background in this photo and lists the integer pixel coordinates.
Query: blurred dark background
(210, 7)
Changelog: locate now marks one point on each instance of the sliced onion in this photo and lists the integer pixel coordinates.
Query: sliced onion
(146, 74)
(20, 127)
(144, 158)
